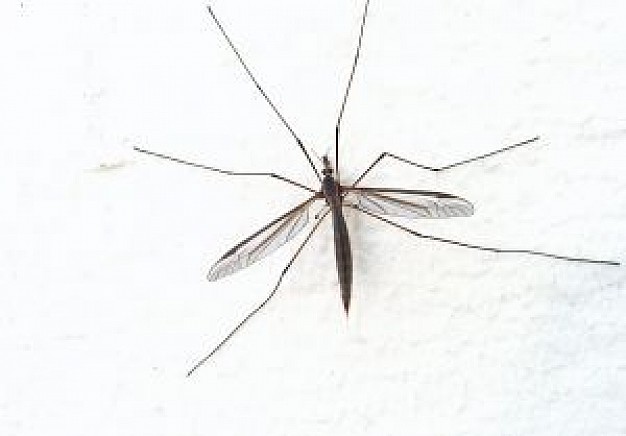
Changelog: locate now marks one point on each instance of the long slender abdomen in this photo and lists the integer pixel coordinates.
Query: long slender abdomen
(343, 253)
(343, 257)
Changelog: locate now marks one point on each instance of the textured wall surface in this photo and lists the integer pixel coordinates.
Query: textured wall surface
(104, 305)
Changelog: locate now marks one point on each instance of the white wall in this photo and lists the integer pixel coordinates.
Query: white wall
(104, 305)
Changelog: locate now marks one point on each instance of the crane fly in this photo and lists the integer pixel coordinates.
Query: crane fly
(377, 203)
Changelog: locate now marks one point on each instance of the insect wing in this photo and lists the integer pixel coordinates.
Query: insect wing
(408, 203)
(262, 243)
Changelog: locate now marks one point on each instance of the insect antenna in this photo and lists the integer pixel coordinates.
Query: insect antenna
(317, 156)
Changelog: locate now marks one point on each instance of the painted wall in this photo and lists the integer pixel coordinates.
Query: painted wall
(104, 304)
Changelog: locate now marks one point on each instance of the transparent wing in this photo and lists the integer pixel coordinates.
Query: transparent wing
(263, 242)
(407, 203)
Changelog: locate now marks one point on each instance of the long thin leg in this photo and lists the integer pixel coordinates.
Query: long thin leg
(347, 92)
(491, 249)
(227, 172)
(263, 303)
(264, 94)
(446, 167)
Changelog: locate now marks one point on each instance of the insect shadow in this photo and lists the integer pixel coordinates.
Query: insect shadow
(377, 203)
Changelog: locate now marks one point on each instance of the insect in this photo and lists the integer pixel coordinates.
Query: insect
(335, 195)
